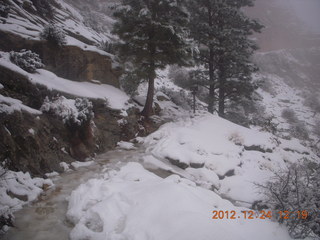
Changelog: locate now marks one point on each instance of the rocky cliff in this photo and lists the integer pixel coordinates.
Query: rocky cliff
(69, 62)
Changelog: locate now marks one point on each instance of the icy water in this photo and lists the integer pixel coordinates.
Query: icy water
(45, 219)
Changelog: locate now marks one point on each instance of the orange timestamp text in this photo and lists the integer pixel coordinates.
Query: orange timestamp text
(250, 214)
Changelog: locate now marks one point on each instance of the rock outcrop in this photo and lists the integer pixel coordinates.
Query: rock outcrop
(68, 62)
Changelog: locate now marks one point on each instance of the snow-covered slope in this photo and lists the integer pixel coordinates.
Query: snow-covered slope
(290, 90)
(25, 20)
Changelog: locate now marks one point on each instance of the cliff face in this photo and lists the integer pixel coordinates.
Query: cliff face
(68, 62)
(38, 143)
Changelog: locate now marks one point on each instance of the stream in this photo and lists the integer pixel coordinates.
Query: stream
(45, 219)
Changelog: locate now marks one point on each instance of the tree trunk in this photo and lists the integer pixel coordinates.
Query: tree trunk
(211, 82)
(222, 91)
(148, 110)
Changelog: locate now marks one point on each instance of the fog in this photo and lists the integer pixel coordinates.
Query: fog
(288, 23)
(309, 12)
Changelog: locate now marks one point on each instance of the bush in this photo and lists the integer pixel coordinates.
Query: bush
(54, 35)
(289, 115)
(180, 76)
(316, 129)
(44, 8)
(108, 47)
(296, 189)
(4, 11)
(130, 82)
(313, 102)
(181, 98)
(27, 60)
(298, 128)
(71, 112)
(246, 112)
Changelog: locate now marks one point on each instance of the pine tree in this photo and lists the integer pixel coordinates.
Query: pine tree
(221, 30)
(153, 34)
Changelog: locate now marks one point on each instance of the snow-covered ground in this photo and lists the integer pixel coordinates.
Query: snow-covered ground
(18, 189)
(291, 83)
(133, 203)
(220, 163)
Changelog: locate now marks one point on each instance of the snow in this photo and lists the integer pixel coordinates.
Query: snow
(52, 174)
(216, 153)
(65, 166)
(8, 105)
(18, 189)
(126, 145)
(66, 18)
(133, 203)
(1, 86)
(78, 164)
(69, 110)
(117, 99)
(219, 174)
(31, 131)
(64, 150)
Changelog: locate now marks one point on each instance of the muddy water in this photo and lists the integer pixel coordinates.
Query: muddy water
(45, 219)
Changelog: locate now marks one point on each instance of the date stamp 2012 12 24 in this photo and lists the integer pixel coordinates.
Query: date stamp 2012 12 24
(250, 214)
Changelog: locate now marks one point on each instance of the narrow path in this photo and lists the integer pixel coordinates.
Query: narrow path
(45, 219)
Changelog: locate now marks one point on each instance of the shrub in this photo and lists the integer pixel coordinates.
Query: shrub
(299, 130)
(313, 102)
(27, 60)
(296, 189)
(44, 8)
(180, 98)
(108, 47)
(54, 35)
(71, 112)
(316, 129)
(130, 82)
(4, 11)
(180, 76)
(289, 115)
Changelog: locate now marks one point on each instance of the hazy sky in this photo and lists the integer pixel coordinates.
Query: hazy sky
(309, 12)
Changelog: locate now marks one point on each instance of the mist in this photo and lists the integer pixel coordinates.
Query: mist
(289, 24)
(309, 12)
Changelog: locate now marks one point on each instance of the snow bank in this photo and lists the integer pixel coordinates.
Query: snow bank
(134, 204)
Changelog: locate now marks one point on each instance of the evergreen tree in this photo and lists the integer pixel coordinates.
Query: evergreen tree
(221, 30)
(153, 34)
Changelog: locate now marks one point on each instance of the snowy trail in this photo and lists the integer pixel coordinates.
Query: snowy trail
(141, 194)
(46, 218)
